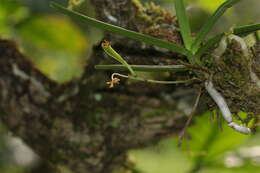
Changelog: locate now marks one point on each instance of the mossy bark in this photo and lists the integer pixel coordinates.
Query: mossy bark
(80, 126)
(232, 77)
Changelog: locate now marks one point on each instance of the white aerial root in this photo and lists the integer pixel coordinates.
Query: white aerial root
(220, 50)
(245, 51)
(242, 44)
(220, 101)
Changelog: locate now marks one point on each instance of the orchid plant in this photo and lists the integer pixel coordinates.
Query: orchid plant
(193, 49)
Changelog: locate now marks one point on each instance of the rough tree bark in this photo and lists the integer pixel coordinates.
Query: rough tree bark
(81, 126)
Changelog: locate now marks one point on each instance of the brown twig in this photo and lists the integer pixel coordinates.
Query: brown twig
(182, 133)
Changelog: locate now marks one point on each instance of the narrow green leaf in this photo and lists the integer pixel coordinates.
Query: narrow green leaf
(122, 31)
(183, 23)
(241, 31)
(111, 52)
(144, 68)
(247, 29)
(209, 45)
(210, 23)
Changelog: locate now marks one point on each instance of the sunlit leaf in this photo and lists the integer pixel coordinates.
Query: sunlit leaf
(208, 141)
(55, 45)
(209, 6)
(162, 158)
(11, 12)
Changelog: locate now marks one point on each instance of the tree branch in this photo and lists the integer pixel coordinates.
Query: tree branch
(77, 126)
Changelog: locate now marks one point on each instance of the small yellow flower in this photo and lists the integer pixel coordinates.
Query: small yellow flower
(113, 82)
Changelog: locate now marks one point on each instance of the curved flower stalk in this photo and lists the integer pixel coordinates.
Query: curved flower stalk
(115, 80)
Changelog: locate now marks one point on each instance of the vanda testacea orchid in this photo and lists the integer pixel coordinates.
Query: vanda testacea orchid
(215, 63)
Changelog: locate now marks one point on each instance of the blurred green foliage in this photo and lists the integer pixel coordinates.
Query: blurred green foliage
(209, 141)
(209, 149)
(210, 7)
(11, 12)
(58, 47)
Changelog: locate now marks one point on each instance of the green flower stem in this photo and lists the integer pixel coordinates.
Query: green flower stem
(154, 81)
(163, 82)
(111, 52)
(144, 68)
